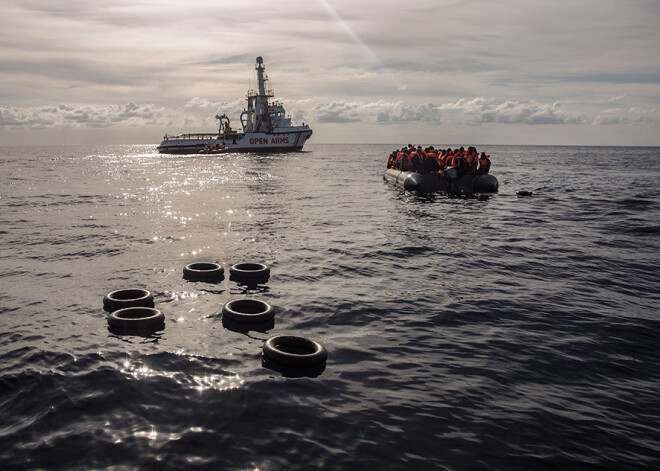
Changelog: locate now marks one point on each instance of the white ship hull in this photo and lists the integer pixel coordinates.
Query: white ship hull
(289, 140)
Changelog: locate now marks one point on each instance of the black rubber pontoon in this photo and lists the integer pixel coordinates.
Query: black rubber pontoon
(432, 182)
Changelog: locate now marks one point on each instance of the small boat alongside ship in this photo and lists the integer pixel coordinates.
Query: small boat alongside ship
(265, 128)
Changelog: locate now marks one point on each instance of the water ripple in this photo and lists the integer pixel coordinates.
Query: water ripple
(498, 333)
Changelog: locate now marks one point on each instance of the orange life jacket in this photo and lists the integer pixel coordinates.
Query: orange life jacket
(483, 162)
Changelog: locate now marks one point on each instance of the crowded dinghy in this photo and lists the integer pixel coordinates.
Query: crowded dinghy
(453, 171)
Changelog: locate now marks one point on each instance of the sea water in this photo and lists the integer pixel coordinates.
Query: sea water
(487, 333)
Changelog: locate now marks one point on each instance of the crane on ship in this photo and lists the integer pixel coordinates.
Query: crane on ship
(224, 128)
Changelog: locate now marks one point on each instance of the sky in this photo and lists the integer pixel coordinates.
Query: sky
(536, 72)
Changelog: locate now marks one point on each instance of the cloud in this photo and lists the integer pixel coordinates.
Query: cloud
(207, 106)
(608, 119)
(631, 116)
(380, 112)
(474, 110)
(329, 116)
(338, 112)
(225, 60)
(489, 110)
(130, 114)
(613, 99)
(613, 78)
(69, 70)
(196, 112)
(200, 112)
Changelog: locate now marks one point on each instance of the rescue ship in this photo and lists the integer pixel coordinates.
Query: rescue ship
(266, 128)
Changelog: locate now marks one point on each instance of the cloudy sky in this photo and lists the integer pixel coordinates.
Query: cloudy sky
(429, 71)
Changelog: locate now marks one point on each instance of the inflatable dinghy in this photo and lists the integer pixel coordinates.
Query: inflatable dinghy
(432, 182)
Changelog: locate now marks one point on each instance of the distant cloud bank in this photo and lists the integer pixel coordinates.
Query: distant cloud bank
(200, 112)
(489, 110)
(82, 116)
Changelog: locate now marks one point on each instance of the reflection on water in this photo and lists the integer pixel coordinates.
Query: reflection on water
(496, 333)
(221, 382)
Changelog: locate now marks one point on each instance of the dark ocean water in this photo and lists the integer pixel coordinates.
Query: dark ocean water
(506, 333)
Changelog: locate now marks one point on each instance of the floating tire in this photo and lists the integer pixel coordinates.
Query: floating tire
(202, 271)
(132, 297)
(295, 352)
(248, 311)
(249, 271)
(136, 319)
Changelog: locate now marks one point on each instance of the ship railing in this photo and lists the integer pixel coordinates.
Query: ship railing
(254, 93)
(189, 136)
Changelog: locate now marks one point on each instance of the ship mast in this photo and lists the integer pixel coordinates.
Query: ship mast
(256, 117)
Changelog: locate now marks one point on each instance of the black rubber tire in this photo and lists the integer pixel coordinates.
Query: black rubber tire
(136, 318)
(203, 271)
(311, 353)
(248, 311)
(131, 297)
(249, 270)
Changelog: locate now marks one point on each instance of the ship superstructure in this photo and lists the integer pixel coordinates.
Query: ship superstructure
(266, 128)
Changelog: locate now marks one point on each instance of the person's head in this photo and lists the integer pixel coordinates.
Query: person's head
(483, 155)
